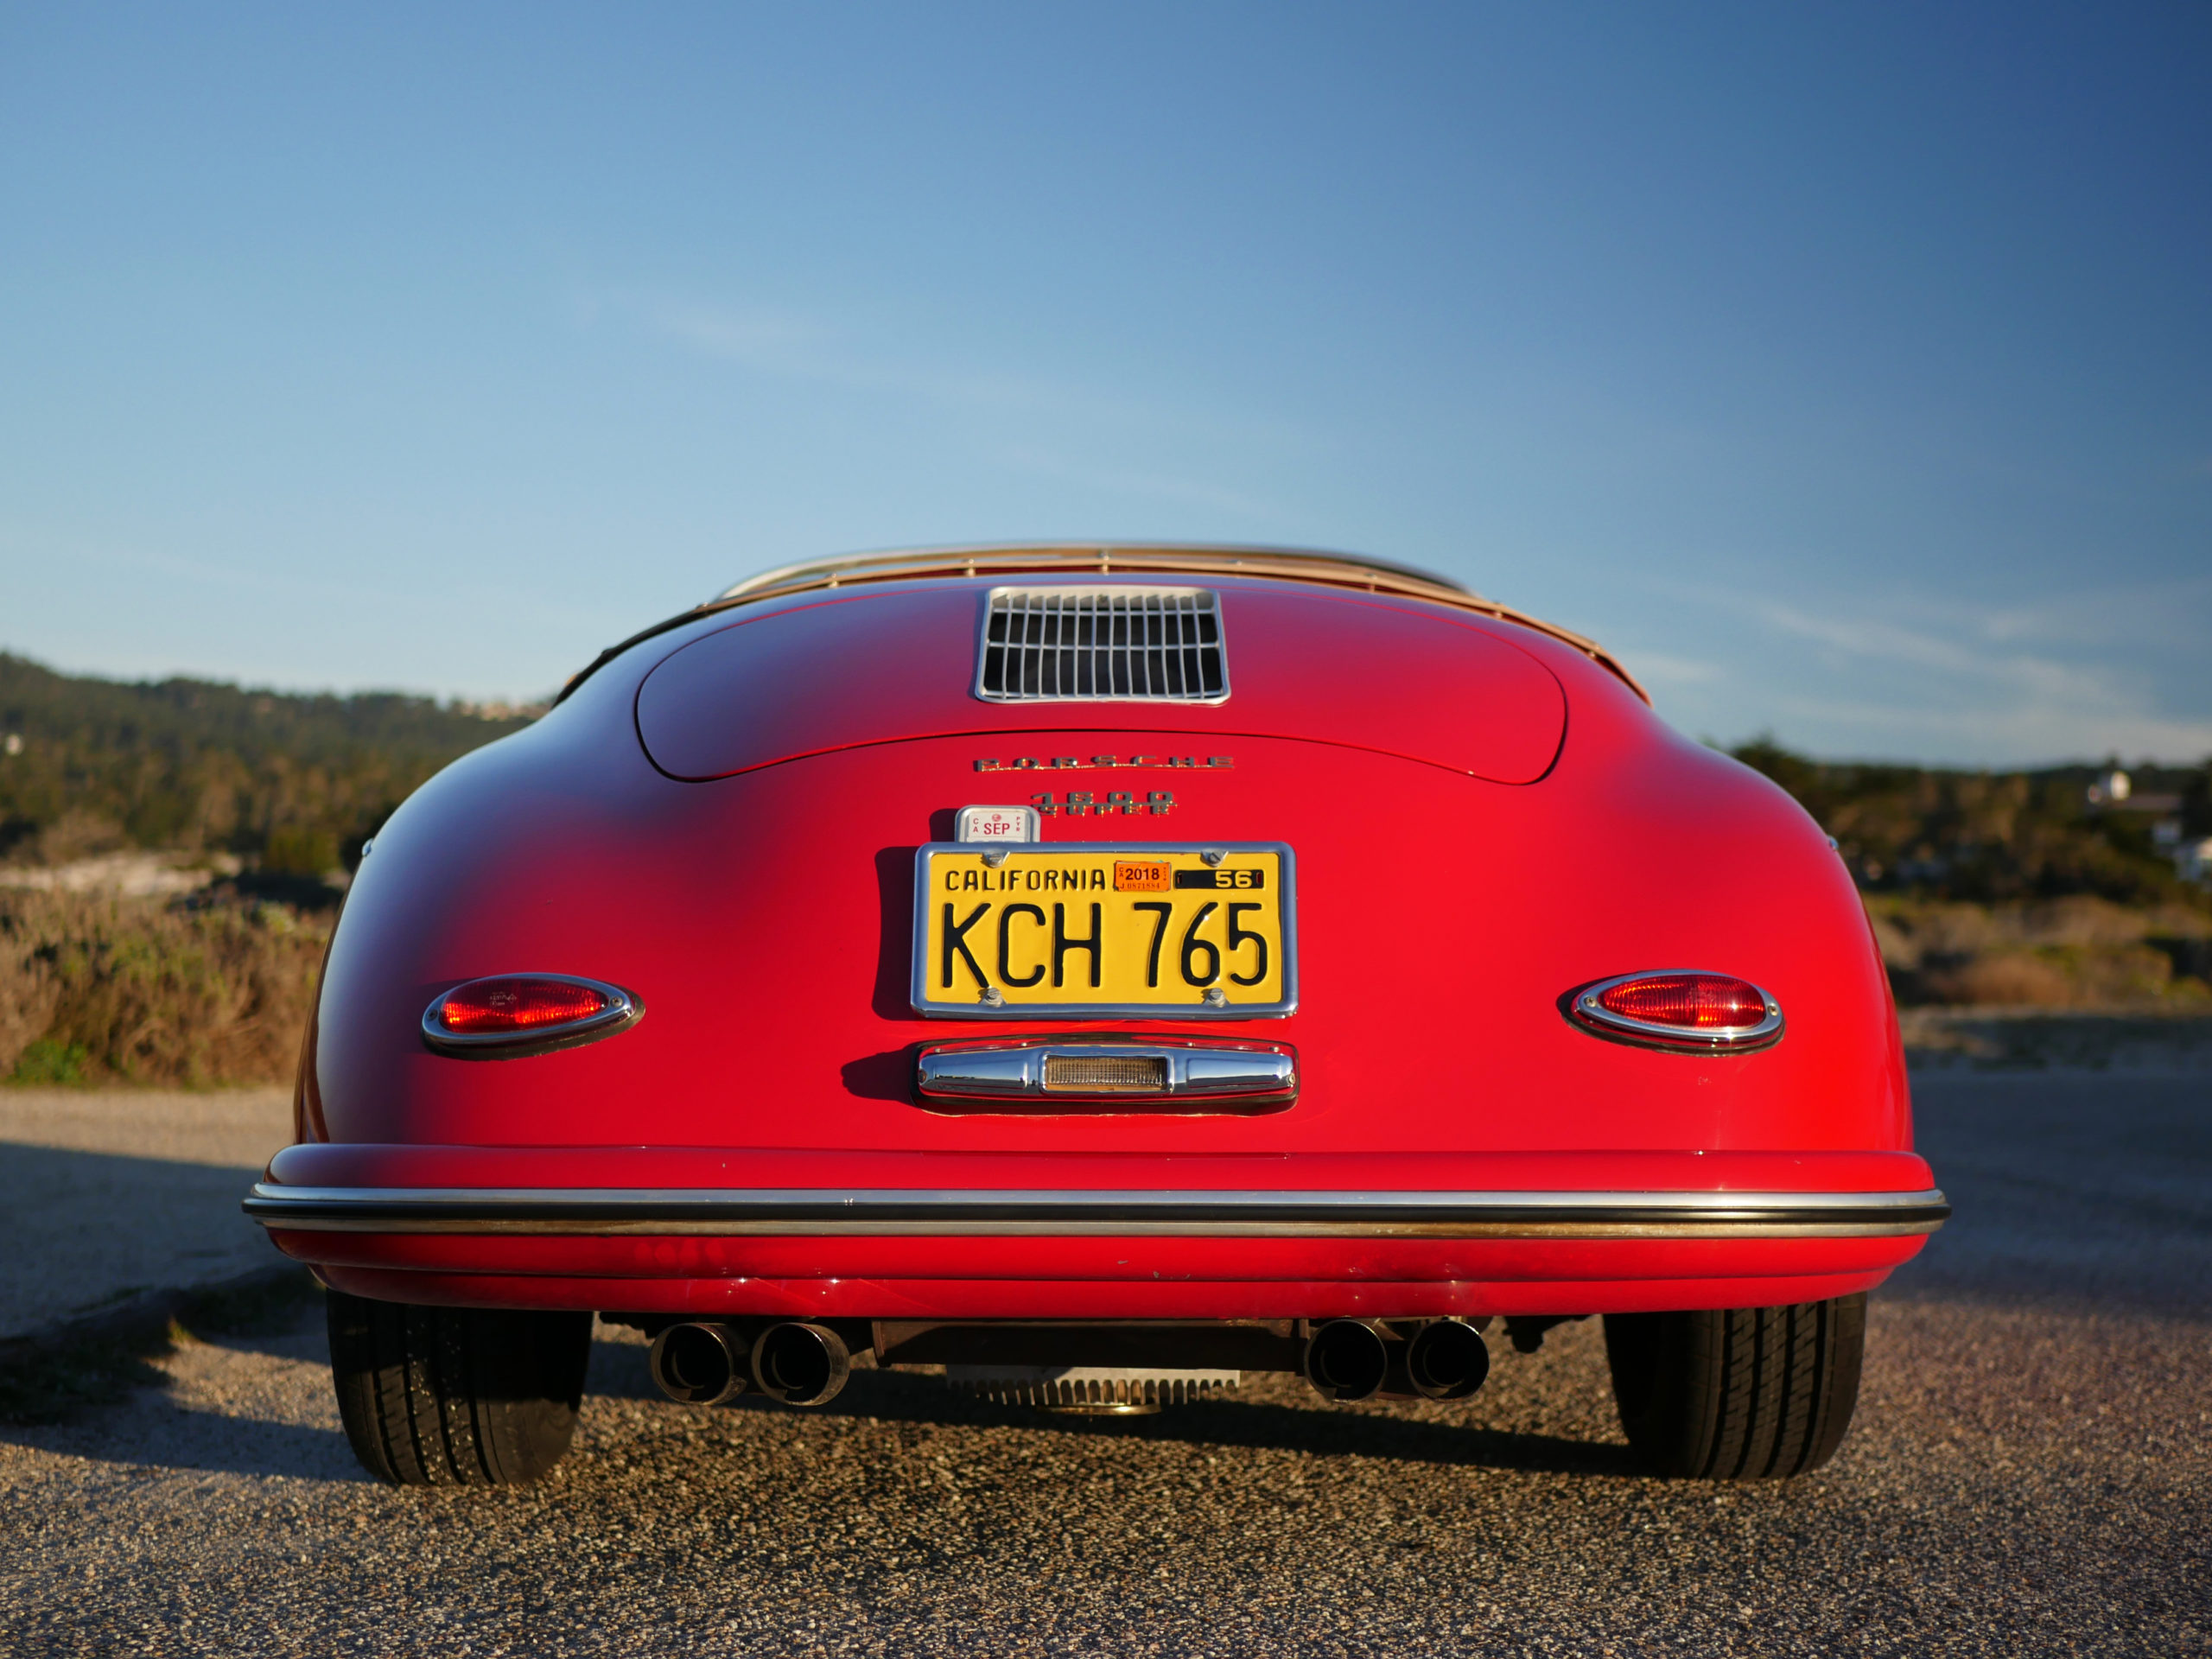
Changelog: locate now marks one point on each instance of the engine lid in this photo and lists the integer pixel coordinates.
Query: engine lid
(896, 664)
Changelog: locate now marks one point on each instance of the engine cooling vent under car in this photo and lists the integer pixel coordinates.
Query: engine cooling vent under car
(1102, 644)
(1106, 1388)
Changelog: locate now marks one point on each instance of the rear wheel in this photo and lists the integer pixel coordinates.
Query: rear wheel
(1738, 1394)
(454, 1396)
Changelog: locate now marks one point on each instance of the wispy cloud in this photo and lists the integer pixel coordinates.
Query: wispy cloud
(2039, 732)
(815, 349)
(2040, 678)
(2117, 668)
(1043, 427)
(296, 601)
(1157, 486)
(2177, 613)
(779, 343)
(1665, 672)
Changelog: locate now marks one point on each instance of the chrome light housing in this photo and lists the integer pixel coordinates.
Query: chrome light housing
(1094, 1074)
(508, 1016)
(1687, 1010)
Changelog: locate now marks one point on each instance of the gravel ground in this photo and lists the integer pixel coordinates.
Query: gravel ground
(72, 1160)
(2028, 1475)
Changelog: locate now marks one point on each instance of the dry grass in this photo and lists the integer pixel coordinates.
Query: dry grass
(99, 988)
(2170, 1042)
(2063, 953)
(96, 987)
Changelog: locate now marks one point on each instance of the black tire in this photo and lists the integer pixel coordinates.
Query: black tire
(455, 1396)
(1738, 1394)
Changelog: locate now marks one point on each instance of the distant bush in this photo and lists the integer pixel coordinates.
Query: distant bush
(1992, 837)
(76, 834)
(300, 849)
(95, 989)
(47, 1061)
(2077, 952)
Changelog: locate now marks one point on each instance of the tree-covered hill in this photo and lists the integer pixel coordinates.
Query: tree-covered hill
(88, 765)
(1993, 836)
(296, 781)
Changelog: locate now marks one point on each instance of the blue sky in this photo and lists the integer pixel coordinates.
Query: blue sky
(1848, 369)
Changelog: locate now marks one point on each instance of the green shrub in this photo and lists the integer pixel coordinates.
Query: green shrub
(47, 1061)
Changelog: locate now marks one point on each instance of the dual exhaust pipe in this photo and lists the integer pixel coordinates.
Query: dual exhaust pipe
(705, 1363)
(1358, 1359)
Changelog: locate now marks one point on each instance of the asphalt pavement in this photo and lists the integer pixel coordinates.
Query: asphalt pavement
(108, 1195)
(2028, 1474)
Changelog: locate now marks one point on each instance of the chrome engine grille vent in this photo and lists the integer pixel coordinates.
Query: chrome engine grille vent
(1108, 1389)
(1102, 644)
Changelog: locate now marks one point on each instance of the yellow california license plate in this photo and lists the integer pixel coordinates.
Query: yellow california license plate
(1179, 932)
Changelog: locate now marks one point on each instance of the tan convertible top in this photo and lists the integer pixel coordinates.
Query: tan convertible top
(1094, 558)
(1090, 558)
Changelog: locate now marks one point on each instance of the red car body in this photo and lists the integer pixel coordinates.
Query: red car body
(722, 818)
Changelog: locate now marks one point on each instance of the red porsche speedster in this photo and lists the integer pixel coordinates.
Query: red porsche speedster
(1100, 971)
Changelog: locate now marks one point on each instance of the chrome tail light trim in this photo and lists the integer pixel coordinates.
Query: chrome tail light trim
(622, 1010)
(1585, 1007)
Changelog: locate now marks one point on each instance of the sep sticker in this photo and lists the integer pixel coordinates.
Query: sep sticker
(1015, 823)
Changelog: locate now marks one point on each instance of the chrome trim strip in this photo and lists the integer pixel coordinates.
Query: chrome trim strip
(1221, 557)
(1327, 570)
(1595, 1016)
(975, 1212)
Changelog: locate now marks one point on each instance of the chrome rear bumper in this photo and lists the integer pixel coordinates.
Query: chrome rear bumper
(788, 1211)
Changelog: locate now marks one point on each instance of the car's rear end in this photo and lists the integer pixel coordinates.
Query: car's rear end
(1335, 964)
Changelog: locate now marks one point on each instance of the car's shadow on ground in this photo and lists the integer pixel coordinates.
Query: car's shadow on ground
(619, 1371)
(155, 1423)
(174, 1437)
(154, 1428)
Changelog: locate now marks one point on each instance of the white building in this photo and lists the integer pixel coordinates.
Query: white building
(2194, 861)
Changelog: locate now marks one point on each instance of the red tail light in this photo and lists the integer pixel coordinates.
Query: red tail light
(1677, 1009)
(508, 1015)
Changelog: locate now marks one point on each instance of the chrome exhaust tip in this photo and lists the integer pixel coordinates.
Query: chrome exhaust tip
(800, 1364)
(699, 1364)
(1347, 1359)
(1447, 1359)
